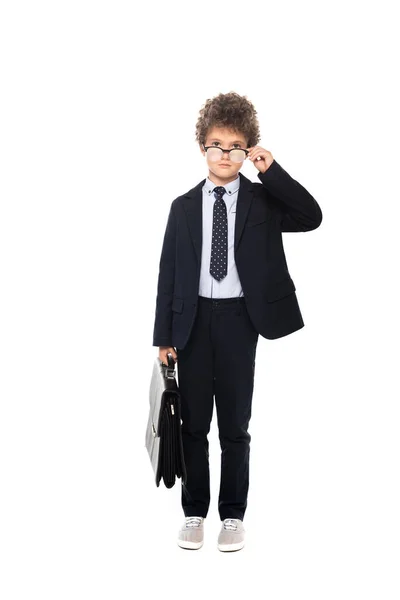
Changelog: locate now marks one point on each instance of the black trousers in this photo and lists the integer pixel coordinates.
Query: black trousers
(218, 360)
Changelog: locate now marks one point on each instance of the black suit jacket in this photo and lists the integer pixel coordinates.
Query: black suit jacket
(264, 210)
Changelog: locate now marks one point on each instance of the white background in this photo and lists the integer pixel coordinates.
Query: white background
(99, 102)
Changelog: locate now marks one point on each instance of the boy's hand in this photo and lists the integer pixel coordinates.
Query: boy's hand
(163, 352)
(266, 158)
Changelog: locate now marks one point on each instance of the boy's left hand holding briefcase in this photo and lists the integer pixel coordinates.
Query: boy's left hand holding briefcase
(164, 428)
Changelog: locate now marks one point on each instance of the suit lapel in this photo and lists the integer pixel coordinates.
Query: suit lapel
(193, 206)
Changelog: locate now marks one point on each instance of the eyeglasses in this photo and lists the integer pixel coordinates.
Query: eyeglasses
(236, 154)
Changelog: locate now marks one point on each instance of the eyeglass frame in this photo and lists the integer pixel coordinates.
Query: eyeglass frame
(224, 150)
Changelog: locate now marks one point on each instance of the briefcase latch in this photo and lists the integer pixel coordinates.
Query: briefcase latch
(170, 369)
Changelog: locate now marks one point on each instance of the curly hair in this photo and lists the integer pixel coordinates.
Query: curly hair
(232, 111)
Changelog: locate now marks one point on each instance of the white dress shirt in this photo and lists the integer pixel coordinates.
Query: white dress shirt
(229, 286)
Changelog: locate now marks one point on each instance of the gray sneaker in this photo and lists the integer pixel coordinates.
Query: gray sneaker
(191, 534)
(231, 536)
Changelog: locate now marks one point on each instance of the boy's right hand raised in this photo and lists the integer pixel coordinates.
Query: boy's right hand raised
(164, 351)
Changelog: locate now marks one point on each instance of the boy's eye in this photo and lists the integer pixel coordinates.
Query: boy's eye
(233, 144)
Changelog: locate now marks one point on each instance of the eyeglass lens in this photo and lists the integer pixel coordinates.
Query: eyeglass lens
(235, 155)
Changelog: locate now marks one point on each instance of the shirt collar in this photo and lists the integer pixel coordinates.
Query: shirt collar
(230, 187)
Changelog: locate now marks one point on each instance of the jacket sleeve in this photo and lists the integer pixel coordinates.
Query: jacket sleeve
(165, 286)
(297, 209)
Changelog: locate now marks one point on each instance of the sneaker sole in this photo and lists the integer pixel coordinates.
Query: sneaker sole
(230, 547)
(190, 545)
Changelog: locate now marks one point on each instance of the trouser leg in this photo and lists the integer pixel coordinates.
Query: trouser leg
(195, 379)
(234, 340)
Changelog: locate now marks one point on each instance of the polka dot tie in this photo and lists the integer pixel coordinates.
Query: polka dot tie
(219, 246)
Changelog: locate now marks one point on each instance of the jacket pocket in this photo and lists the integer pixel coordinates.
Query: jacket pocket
(177, 304)
(280, 289)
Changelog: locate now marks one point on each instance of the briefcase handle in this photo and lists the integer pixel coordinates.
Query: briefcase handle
(170, 369)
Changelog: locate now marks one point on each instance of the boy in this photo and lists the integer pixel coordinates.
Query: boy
(223, 281)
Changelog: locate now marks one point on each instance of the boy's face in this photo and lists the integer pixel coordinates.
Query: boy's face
(220, 137)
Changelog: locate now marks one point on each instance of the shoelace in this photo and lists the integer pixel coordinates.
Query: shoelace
(230, 524)
(193, 521)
